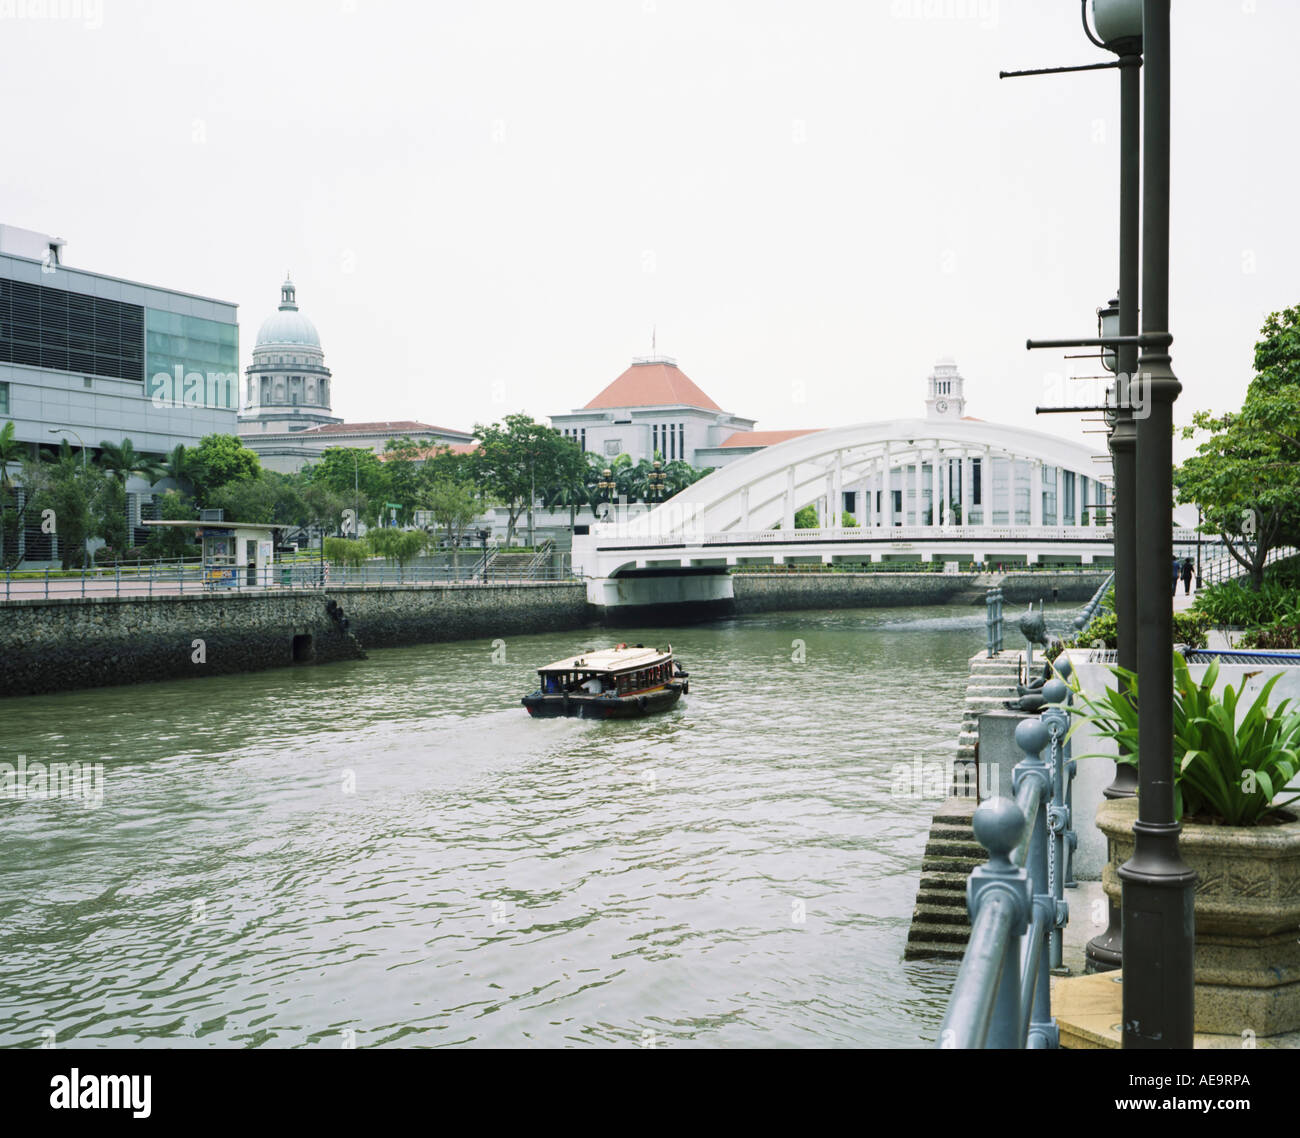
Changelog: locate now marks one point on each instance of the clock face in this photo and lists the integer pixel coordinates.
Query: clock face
(942, 406)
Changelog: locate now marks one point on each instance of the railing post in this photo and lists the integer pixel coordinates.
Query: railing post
(1032, 736)
(1057, 721)
(970, 1022)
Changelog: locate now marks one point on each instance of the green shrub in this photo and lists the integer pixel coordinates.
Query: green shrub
(343, 551)
(1224, 770)
(1189, 629)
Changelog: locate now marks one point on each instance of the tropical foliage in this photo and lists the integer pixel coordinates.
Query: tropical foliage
(1246, 476)
(1227, 768)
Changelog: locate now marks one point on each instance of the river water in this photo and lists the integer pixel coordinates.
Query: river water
(391, 852)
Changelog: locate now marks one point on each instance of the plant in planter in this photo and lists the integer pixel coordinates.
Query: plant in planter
(1230, 772)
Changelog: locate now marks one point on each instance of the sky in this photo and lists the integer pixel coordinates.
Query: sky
(492, 206)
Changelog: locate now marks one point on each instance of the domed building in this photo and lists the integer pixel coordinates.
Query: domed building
(286, 414)
(287, 386)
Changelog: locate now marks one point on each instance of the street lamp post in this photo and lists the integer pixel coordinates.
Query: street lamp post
(1119, 26)
(657, 480)
(1157, 885)
(86, 535)
(607, 486)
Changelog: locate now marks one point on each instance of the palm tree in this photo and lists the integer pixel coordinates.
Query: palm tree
(11, 450)
(176, 466)
(121, 460)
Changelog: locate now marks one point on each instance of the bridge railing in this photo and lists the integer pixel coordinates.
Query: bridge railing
(1002, 995)
(186, 579)
(615, 536)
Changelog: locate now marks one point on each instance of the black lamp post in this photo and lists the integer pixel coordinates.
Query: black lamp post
(657, 480)
(1157, 885)
(607, 486)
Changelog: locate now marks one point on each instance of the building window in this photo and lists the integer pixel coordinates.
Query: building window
(70, 331)
(976, 468)
(4, 399)
(681, 440)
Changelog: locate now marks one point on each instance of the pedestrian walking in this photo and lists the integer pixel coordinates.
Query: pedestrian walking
(1188, 570)
(1178, 569)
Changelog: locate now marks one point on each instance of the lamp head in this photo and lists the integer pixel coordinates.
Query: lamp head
(1108, 325)
(1119, 24)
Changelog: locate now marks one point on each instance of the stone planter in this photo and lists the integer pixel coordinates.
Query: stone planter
(1247, 912)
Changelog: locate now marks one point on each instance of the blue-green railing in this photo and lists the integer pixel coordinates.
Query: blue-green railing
(1002, 995)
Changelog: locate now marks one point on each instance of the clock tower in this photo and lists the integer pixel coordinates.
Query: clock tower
(944, 397)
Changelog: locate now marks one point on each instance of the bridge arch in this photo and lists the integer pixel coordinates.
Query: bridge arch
(980, 474)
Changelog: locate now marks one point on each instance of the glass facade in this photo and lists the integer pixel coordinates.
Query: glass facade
(70, 331)
(4, 399)
(191, 362)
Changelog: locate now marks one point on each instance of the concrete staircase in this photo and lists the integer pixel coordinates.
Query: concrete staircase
(940, 924)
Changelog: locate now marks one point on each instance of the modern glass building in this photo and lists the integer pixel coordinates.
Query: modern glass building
(103, 359)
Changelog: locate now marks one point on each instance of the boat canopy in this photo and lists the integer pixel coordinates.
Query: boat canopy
(611, 660)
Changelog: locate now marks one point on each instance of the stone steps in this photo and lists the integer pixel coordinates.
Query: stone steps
(940, 926)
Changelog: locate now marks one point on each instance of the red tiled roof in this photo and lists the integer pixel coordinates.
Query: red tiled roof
(655, 384)
(430, 451)
(764, 438)
(394, 427)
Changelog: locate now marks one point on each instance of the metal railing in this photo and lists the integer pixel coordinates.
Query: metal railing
(616, 535)
(994, 624)
(1090, 609)
(1227, 567)
(190, 578)
(969, 569)
(1001, 997)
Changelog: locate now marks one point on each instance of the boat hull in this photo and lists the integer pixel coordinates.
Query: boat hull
(585, 706)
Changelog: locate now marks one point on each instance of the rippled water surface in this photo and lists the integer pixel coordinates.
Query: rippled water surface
(391, 852)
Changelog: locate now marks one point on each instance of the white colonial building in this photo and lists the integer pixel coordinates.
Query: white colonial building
(652, 408)
(286, 416)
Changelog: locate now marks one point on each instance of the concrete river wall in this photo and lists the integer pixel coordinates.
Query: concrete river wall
(770, 592)
(67, 643)
(63, 644)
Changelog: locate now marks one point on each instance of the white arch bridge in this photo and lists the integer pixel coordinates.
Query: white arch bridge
(919, 490)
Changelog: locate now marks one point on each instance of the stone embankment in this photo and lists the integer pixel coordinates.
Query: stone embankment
(774, 592)
(940, 924)
(68, 643)
(60, 644)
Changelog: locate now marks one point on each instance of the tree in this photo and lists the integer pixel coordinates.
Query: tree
(11, 451)
(400, 546)
(514, 460)
(172, 541)
(271, 498)
(400, 458)
(807, 518)
(1245, 477)
(122, 460)
(453, 505)
(322, 507)
(356, 475)
(176, 466)
(218, 460)
(63, 483)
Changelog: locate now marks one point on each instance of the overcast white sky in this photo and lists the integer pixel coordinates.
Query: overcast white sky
(486, 205)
